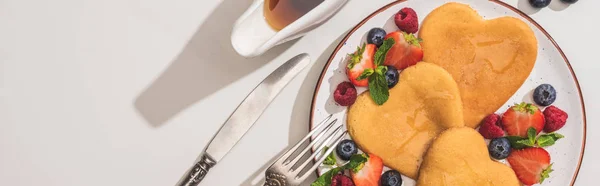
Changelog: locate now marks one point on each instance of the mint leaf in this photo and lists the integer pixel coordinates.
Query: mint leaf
(378, 88)
(518, 142)
(531, 133)
(556, 136)
(325, 179)
(544, 141)
(365, 74)
(525, 143)
(330, 160)
(356, 162)
(548, 139)
(546, 173)
(382, 51)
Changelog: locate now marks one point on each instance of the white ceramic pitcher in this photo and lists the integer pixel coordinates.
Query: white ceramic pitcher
(252, 35)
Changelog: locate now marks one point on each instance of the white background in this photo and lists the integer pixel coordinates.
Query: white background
(128, 92)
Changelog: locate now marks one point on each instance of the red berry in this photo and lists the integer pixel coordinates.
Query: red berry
(519, 118)
(405, 52)
(341, 180)
(532, 165)
(370, 173)
(406, 19)
(490, 128)
(555, 118)
(345, 94)
(359, 61)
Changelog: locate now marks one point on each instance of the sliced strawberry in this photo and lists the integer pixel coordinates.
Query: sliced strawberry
(370, 173)
(359, 61)
(532, 165)
(405, 52)
(517, 119)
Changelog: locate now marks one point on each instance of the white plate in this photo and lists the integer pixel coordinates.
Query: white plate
(551, 67)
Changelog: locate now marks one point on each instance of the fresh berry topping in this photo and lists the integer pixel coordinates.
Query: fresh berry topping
(406, 19)
(375, 36)
(499, 148)
(341, 180)
(345, 149)
(405, 52)
(490, 127)
(517, 119)
(345, 94)
(555, 118)
(532, 165)
(392, 76)
(539, 3)
(370, 173)
(569, 1)
(544, 95)
(360, 61)
(391, 178)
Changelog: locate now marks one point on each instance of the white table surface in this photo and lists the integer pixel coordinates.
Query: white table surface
(128, 92)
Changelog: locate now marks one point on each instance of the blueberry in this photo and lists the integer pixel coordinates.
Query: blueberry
(346, 149)
(539, 3)
(544, 95)
(391, 76)
(391, 178)
(499, 148)
(376, 36)
(569, 1)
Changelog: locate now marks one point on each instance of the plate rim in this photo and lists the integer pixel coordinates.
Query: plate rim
(516, 10)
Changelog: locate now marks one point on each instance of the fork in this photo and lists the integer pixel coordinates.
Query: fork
(285, 171)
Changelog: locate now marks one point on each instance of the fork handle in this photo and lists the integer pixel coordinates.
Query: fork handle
(273, 178)
(196, 173)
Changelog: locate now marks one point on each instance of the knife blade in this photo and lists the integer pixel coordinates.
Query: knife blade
(242, 119)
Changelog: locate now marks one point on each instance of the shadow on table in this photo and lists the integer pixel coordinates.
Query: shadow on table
(207, 55)
(300, 113)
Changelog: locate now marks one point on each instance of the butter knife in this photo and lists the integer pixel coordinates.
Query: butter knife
(243, 118)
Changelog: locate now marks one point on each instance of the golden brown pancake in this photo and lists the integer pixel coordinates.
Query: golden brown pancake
(459, 156)
(425, 101)
(489, 59)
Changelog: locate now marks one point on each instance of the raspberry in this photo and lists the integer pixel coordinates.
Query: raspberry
(345, 94)
(341, 180)
(406, 19)
(555, 119)
(490, 128)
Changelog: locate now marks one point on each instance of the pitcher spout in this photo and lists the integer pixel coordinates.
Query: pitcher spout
(251, 33)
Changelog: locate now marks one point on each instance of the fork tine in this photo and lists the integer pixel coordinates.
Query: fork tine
(289, 152)
(317, 138)
(329, 151)
(318, 151)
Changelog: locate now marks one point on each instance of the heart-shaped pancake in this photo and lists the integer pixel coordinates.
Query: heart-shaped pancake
(459, 156)
(425, 102)
(489, 59)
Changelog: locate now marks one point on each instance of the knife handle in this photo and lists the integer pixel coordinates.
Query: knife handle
(195, 174)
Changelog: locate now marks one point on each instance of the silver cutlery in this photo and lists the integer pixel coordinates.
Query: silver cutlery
(287, 170)
(243, 118)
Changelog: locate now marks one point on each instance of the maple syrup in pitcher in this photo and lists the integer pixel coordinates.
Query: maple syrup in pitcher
(280, 13)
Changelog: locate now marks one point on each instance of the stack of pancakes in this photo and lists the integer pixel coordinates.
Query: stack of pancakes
(471, 67)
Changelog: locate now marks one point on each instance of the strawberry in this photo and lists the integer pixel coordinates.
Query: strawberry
(405, 52)
(532, 165)
(370, 173)
(361, 60)
(518, 118)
